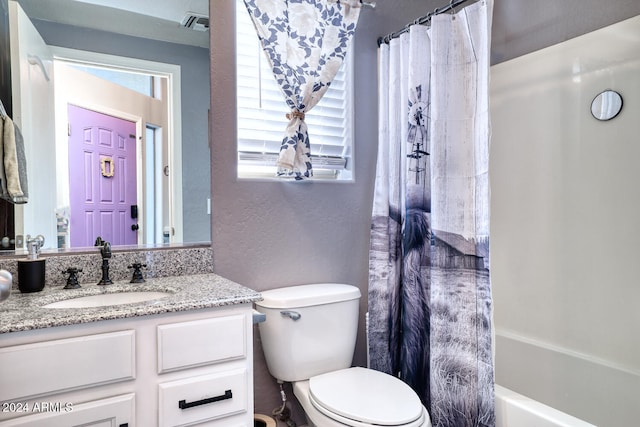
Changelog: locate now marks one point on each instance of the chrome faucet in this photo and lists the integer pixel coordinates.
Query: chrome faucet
(105, 251)
(33, 246)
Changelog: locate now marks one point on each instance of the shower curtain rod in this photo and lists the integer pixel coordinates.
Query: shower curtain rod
(422, 20)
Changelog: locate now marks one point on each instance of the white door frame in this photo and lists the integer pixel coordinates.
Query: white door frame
(172, 73)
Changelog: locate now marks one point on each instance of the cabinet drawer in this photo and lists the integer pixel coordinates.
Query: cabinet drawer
(113, 411)
(53, 366)
(202, 398)
(201, 342)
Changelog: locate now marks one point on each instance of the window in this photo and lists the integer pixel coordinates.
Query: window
(140, 82)
(261, 114)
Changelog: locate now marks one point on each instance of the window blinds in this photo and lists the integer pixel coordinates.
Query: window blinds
(262, 110)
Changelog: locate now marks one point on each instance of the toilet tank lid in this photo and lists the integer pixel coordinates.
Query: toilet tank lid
(308, 295)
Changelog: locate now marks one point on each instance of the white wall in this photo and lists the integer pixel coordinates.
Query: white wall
(565, 228)
(32, 103)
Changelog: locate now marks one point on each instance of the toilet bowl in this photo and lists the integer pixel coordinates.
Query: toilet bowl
(308, 339)
(360, 397)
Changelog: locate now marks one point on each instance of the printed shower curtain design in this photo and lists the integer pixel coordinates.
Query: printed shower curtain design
(429, 286)
(306, 42)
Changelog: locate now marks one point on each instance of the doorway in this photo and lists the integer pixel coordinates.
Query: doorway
(102, 179)
(89, 86)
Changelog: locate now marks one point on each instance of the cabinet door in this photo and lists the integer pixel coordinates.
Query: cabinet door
(112, 412)
(43, 368)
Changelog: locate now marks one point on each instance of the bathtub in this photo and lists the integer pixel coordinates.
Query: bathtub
(516, 410)
(590, 389)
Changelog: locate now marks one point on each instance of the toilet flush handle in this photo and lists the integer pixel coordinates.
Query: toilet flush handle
(293, 315)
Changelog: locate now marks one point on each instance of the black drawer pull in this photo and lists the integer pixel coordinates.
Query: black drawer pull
(184, 405)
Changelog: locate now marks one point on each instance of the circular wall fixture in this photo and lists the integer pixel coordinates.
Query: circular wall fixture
(606, 105)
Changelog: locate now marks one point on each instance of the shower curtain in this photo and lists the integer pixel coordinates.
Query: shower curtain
(429, 287)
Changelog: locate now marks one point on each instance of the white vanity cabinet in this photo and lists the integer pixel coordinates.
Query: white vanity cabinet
(186, 368)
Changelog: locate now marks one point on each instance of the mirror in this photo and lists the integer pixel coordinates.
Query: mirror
(88, 31)
(606, 105)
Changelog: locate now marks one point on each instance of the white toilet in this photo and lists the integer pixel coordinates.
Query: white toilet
(308, 338)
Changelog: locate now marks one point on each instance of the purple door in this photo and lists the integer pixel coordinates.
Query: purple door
(102, 178)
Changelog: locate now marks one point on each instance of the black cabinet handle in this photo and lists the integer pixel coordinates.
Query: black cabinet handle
(184, 405)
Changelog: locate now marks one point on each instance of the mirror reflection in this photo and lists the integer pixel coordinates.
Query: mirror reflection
(606, 105)
(113, 105)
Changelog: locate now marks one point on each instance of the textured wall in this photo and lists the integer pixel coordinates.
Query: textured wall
(273, 234)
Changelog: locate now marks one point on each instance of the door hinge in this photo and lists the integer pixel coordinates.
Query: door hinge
(68, 129)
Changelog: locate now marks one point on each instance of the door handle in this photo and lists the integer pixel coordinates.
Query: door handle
(135, 227)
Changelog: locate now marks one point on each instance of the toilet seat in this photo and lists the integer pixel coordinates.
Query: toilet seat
(362, 397)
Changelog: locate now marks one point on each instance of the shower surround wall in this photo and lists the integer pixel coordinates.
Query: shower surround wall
(565, 227)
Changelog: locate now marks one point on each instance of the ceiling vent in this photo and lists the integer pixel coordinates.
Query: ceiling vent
(195, 21)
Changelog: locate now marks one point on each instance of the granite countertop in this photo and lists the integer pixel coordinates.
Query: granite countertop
(24, 311)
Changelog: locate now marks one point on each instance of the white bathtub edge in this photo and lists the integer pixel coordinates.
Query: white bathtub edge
(516, 410)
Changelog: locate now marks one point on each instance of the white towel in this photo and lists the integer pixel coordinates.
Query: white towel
(14, 187)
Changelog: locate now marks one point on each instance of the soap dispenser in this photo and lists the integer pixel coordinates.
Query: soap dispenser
(31, 272)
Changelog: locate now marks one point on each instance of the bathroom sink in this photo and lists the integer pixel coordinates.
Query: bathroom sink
(117, 298)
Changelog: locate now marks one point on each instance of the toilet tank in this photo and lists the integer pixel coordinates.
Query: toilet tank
(309, 329)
